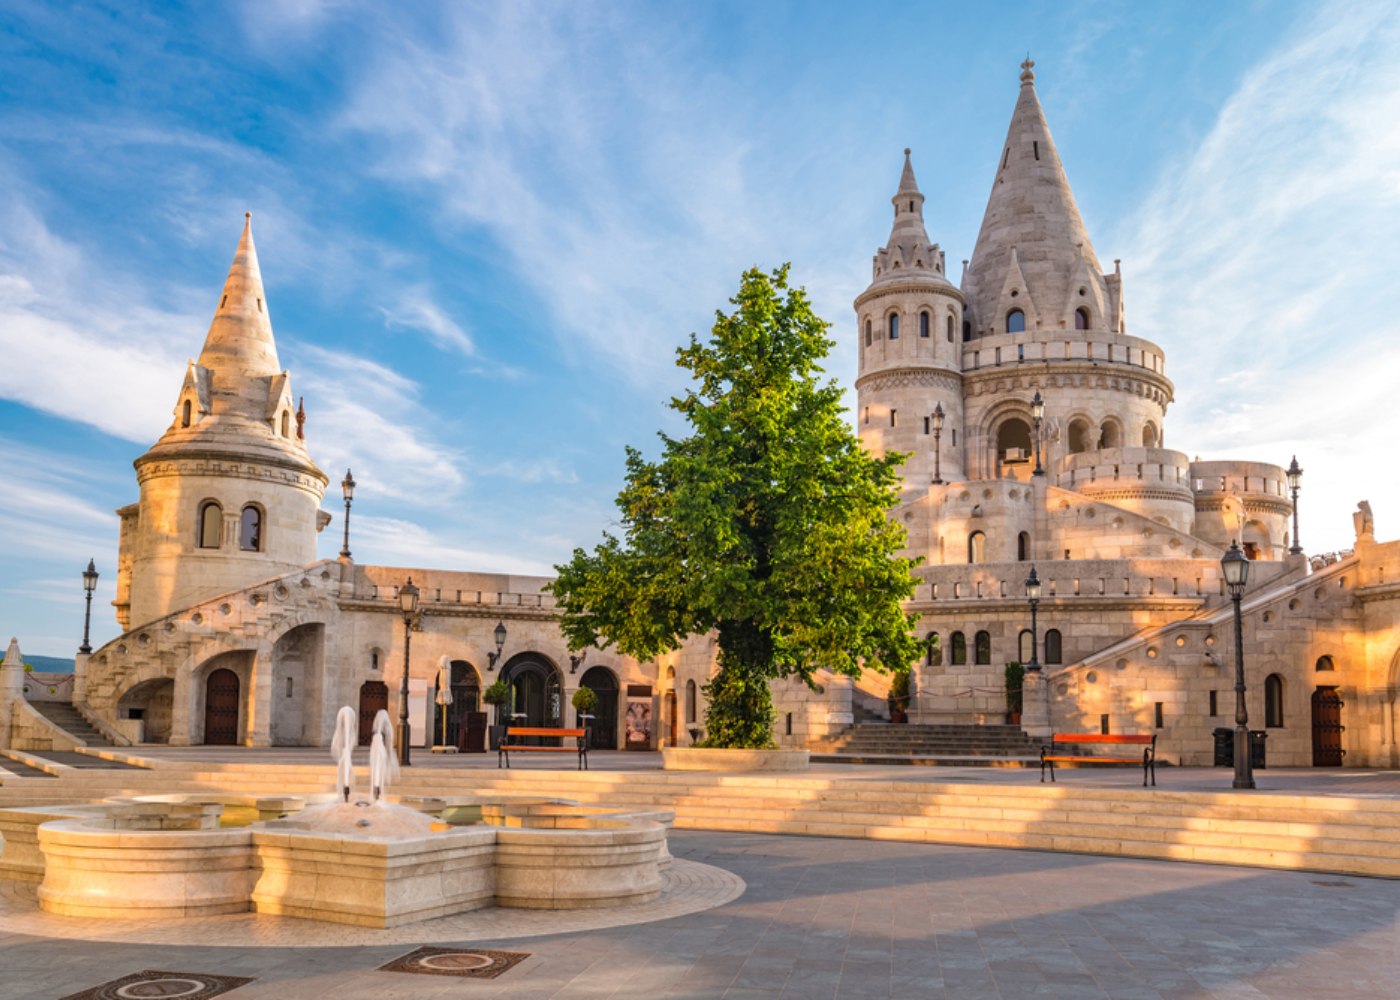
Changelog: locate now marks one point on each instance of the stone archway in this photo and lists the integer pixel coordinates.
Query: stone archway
(536, 691)
(297, 668)
(603, 731)
(222, 699)
(152, 702)
(466, 697)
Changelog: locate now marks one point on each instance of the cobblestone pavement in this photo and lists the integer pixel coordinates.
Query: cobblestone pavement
(826, 918)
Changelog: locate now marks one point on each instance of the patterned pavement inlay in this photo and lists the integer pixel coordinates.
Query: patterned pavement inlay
(152, 984)
(474, 964)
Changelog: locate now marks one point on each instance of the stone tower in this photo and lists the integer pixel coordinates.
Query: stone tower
(229, 495)
(908, 323)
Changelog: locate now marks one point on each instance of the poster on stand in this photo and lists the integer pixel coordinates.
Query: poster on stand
(639, 717)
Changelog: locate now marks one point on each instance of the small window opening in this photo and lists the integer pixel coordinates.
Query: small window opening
(289, 687)
(950, 329)
(185, 414)
(923, 324)
(894, 418)
(223, 302)
(1157, 714)
(250, 529)
(1273, 702)
(911, 206)
(1081, 319)
(1006, 158)
(374, 659)
(286, 423)
(967, 330)
(982, 648)
(894, 326)
(955, 438)
(1015, 321)
(869, 333)
(1214, 704)
(788, 724)
(926, 426)
(259, 305)
(1035, 148)
(211, 525)
(1103, 724)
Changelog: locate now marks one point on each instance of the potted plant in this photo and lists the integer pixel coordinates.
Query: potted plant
(585, 700)
(899, 696)
(497, 695)
(1015, 673)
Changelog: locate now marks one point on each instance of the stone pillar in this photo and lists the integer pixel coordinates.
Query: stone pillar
(80, 665)
(1035, 705)
(11, 688)
(182, 708)
(258, 698)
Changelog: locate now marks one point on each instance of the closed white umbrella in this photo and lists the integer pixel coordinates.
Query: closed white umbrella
(444, 692)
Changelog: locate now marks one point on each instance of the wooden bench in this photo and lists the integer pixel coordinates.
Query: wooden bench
(1049, 754)
(521, 732)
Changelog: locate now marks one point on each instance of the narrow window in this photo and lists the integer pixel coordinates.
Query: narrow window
(185, 414)
(1081, 319)
(934, 656)
(1157, 715)
(1006, 157)
(289, 687)
(865, 419)
(1214, 704)
(925, 425)
(250, 529)
(894, 326)
(211, 525)
(788, 725)
(967, 330)
(1103, 724)
(976, 547)
(1023, 646)
(374, 659)
(955, 438)
(894, 418)
(923, 323)
(689, 701)
(1023, 547)
(1273, 701)
(959, 644)
(1015, 321)
(1053, 651)
(983, 648)
(869, 333)
(950, 329)
(1035, 148)
(286, 420)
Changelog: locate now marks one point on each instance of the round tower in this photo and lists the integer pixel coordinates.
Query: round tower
(908, 323)
(229, 495)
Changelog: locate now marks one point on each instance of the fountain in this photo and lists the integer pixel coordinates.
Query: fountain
(348, 859)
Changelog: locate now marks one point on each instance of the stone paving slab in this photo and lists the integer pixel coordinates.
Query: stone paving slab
(852, 919)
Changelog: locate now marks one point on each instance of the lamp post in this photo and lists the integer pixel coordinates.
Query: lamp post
(1295, 476)
(1236, 569)
(408, 605)
(1037, 414)
(937, 451)
(1033, 596)
(89, 585)
(499, 633)
(347, 487)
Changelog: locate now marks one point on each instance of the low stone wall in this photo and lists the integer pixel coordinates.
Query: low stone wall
(705, 759)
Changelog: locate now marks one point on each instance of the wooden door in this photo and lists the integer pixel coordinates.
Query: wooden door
(374, 696)
(1327, 728)
(672, 715)
(221, 708)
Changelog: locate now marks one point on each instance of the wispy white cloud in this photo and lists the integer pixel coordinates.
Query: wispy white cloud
(1265, 259)
(46, 508)
(416, 309)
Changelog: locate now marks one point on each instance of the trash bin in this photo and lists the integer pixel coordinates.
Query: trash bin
(1256, 749)
(1224, 747)
(473, 733)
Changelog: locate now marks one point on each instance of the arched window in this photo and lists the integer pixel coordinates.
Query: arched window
(690, 701)
(959, 648)
(1081, 318)
(286, 423)
(923, 323)
(894, 326)
(933, 657)
(1015, 321)
(983, 648)
(951, 324)
(250, 529)
(1079, 431)
(211, 525)
(1053, 652)
(1273, 701)
(1024, 647)
(1149, 435)
(1013, 441)
(1110, 434)
(967, 330)
(1023, 546)
(186, 412)
(869, 333)
(1325, 663)
(976, 547)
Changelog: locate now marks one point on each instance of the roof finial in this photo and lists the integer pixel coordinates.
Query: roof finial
(1028, 70)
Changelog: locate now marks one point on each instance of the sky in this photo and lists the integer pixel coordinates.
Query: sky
(485, 228)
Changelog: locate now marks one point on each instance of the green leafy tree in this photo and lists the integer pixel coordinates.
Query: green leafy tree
(767, 525)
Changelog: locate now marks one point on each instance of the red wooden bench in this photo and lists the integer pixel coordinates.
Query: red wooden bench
(1050, 753)
(513, 733)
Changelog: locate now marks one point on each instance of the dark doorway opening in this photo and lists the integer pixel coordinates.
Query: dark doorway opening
(221, 708)
(374, 696)
(602, 734)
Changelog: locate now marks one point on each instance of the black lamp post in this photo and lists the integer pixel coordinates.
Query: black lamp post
(1037, 414)
(499, 633)
(1235, 566)
(1033, 596)
(1295, 476)
(89, 585)
(937, 451)
(347, 487)
(408, 605)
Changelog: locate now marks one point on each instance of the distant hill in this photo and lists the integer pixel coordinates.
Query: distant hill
(49, 664)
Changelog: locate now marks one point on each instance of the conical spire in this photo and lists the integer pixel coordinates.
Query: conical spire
(908, 248)
(1031, 210)
(240, 337)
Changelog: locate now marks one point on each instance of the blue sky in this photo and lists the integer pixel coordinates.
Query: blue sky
(484, 228)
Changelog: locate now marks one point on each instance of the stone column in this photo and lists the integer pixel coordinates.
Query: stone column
(1035, 705)
(80, 665)
(258, 699)
(11, 688)
(182, 708)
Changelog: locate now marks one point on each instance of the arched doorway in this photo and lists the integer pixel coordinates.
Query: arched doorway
(297, 667)
(466, 697)
(1013, 442)
(221, 697)
(374, 697)
(152, 703)
(1327, 728)
(603, 730)
(535, 691)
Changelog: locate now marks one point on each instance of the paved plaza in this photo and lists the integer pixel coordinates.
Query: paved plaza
(821, 918)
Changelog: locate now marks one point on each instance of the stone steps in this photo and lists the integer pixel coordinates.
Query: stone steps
(1351, 835)
(954, 743)
(71, 721)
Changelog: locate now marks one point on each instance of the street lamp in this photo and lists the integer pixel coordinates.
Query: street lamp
(1295, 476)
(347, 487)
(500, 635)
(1033, 595)
(1235, 566)
(89, 585)
(576, 660)
(937, 452)
(1037, 414)
(408, 605)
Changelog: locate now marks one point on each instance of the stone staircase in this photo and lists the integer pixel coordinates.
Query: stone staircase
(963, 745)
(70, 720)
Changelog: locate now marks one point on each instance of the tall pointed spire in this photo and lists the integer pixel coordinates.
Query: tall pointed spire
(908, 248)
(1031, 210)
(240, 337)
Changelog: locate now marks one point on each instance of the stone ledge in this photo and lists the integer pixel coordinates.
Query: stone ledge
(706, 759)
